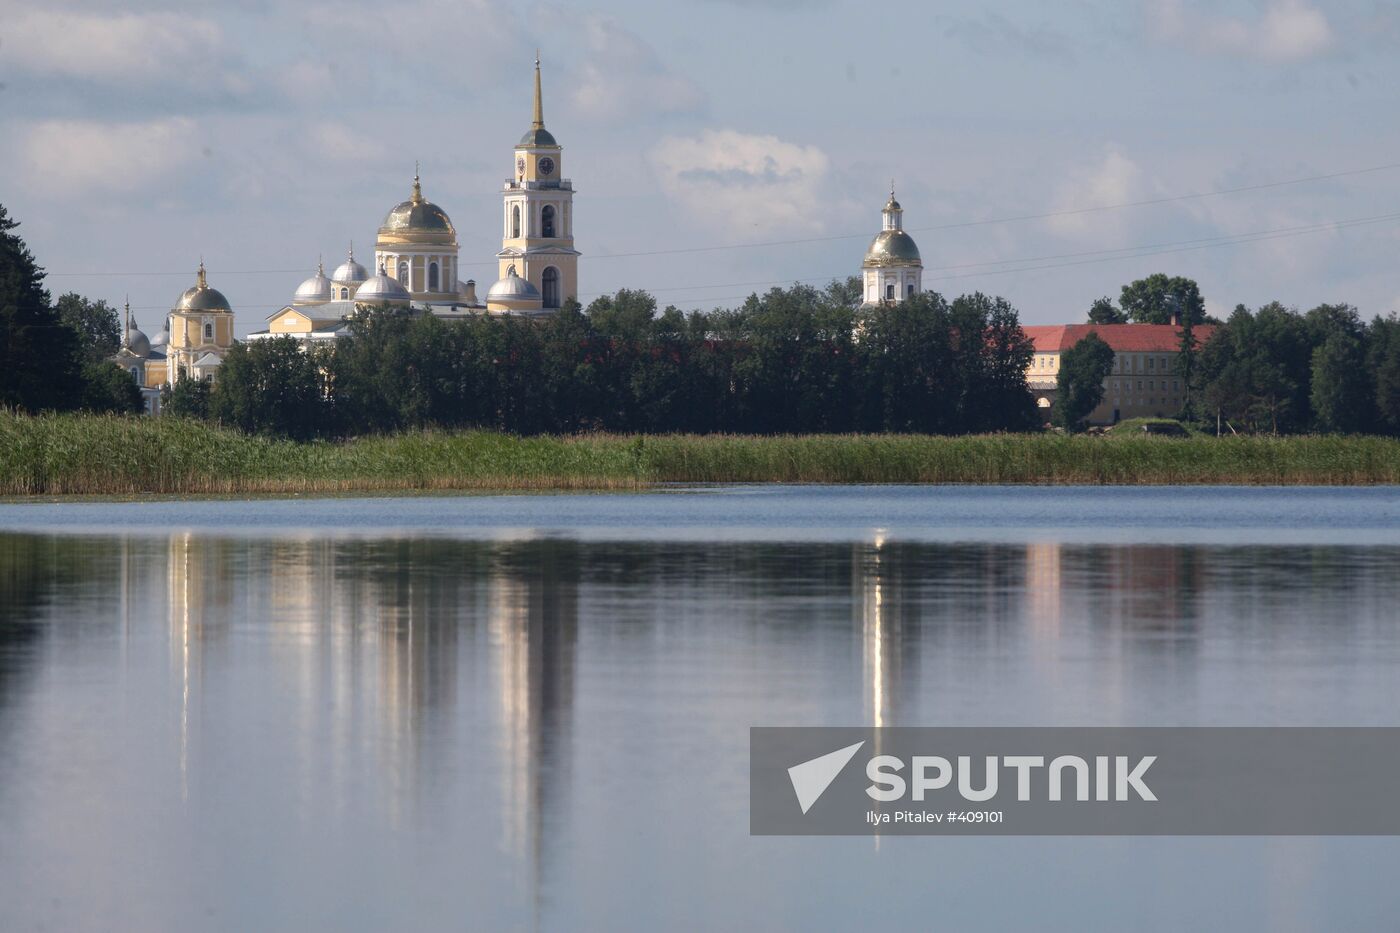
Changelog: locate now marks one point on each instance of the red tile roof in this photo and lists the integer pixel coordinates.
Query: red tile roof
(1123, 338)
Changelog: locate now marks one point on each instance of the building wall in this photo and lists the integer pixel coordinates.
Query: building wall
(1141, 385)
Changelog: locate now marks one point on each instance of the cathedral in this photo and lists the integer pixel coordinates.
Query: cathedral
(415, 266)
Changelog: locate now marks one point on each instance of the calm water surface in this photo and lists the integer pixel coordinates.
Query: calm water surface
(532, 712)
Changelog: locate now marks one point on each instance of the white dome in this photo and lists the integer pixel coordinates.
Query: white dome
(350, 272)
(513, 290)
(315, 290)
(162, 338)
(382, 289)
(137, 342)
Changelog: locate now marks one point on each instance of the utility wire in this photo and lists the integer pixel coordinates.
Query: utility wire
(852, 236)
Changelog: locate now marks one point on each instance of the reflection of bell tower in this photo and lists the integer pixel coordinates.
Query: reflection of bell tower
(538, 218)
(534, 631)
(881, 621)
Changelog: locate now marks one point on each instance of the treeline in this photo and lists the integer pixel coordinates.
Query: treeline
(1278, 371)
(793, 361)
(54, 356)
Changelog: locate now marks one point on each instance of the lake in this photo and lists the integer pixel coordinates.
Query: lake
(533, 712)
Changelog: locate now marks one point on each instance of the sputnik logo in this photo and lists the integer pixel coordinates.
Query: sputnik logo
(811, 778)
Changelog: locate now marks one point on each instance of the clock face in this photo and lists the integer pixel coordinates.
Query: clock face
(520, 166)
(546, 166)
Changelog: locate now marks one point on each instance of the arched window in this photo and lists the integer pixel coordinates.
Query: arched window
(910, 293)
(889, 292)
(515, 221)
(344, 294)
(432, 276)
(547, 221)
(208, 333)
(511, 271)
(550, 280)
(403, 274)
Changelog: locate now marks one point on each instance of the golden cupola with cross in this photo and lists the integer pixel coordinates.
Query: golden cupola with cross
(417, 247)
(538, 262)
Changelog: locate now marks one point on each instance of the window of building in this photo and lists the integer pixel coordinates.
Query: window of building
(208, 333)
(515, 221)
(910, 293)
(550, 280)
(1176, 384)
(547, 221)
(889, 292)
(1151, 363)
(432, 276)
(403, 274)
(1139, 385)
(344, 294)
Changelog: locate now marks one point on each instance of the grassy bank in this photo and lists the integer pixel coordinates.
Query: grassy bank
(89, 455)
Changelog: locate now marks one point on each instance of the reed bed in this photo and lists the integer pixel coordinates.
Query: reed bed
(58, 455)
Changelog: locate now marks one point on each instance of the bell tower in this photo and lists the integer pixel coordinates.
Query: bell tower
(537, 238)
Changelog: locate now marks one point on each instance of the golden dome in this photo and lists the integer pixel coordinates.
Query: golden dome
(892, 248)
(201, 297)
(418, 221)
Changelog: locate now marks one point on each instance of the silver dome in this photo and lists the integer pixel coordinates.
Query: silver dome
(350, 272)
(513, 288)
(315, 290)
(137, 342)
(162, 338)
(382, 289)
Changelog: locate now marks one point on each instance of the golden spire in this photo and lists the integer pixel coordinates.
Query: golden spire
(127, 335)
(539, 97)
(320, 265)
(417, 186)
(201, 281)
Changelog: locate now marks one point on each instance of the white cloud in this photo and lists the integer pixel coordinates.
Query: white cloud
(1287, 30)
(123, 47)
(70, 157)
(1115, 179)
(622, 77)
(745, 184)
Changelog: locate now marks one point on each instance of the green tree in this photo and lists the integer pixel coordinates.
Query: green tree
(1104, 311)
(40, 362)
(1341, 393)
(97, 324)
(110, 389)
(271, 387)
(1383, 367)
(189, 399)
(1155, 299)
(1079, 385)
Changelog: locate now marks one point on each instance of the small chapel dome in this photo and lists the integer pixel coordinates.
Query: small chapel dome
(315, 290)
(201, 297)
(350, 272)
(162, 338)
(514, 291)
(382, 290)
(136, 341)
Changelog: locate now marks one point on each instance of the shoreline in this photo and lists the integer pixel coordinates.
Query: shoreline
(74, 456)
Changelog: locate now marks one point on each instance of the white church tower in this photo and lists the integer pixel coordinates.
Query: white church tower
(892, 270)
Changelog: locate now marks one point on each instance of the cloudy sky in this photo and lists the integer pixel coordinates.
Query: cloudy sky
(718, 146)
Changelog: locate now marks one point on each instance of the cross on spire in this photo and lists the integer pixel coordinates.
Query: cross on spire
(539, 96)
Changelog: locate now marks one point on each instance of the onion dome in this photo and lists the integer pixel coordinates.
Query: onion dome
(201, 297)
(315, 290)
(417, 221)
(350, 272)
(513, 291)
(136, 341)
(382, 290)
